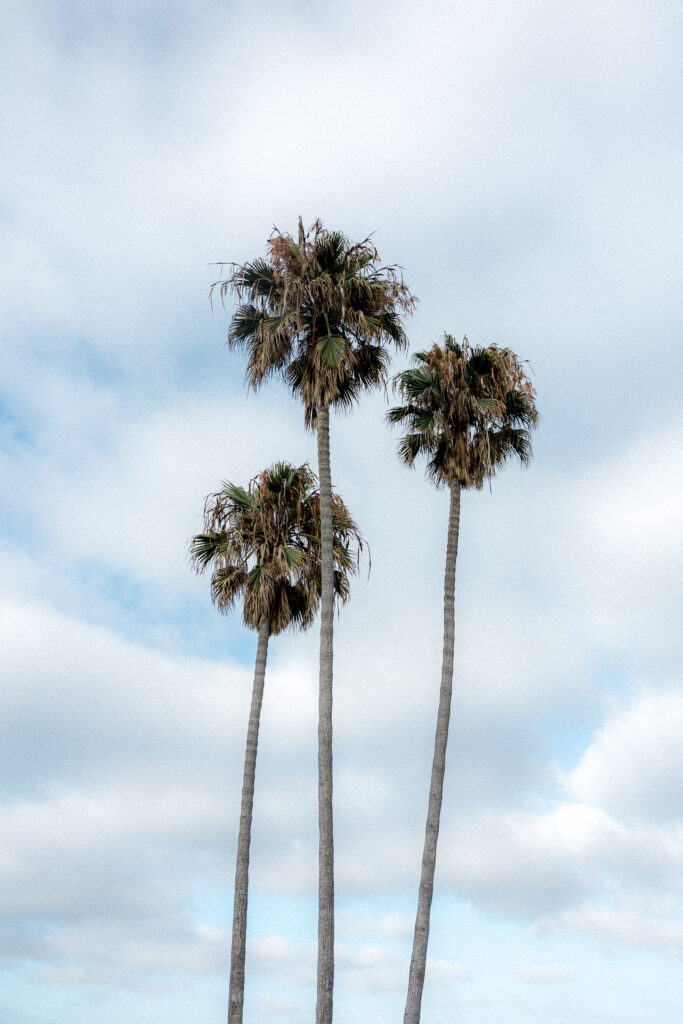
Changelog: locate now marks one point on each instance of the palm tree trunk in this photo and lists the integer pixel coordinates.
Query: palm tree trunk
(418, 960)
(323, 1011)
(239, 914)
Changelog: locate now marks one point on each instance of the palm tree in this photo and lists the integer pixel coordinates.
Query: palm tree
(263, 543)
(320, 311)
(467, 410)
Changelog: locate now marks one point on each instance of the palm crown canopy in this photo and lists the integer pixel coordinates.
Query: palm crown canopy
(320, 310)
(263, 542)
(467, 411)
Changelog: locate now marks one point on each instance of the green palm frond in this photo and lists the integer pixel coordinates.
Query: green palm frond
(245, 326)
(330, 251)
(258, 277)
(451, 344)
(520, 408)
(510, 441)
(370, 365)
(479, 363)
(296, 372)
(206, 547)
(487, 404)
(416, 383)
(373, 324)
(237, 496)
(410, 447)
(423, 423)
(331, 349)
(399, 413)
(292, 557)
(258, 576)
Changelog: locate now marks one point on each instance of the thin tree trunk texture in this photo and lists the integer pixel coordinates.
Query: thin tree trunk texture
(239, 914)
(418, 960)
(323, 1011)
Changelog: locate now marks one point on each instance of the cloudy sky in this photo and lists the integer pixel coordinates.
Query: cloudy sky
(521, 161)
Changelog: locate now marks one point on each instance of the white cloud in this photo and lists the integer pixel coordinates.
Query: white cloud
(277, 955)
(157, 165)
(391, 926)
(371, 968)
(132, 497)
(628, 548)
(122, 784)
(367, 969)
(276, 1008)
(634, 763)
(109, 953)
(640, 920)
(545, 972)
(98, 700)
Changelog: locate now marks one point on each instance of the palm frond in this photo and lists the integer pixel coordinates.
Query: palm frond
(422, 423)
(257, 277)
(410, 447)
(238, 496)
(206, 547)
(399, 413)
(451, 345)
(331, 349)
(292, 557)
(415, 383)
(245, 326)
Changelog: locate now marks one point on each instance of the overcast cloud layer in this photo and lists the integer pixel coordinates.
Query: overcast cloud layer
(522, 163)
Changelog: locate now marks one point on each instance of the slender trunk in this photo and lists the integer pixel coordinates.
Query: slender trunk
(239, 914)
(323, 1011)
(418, 960)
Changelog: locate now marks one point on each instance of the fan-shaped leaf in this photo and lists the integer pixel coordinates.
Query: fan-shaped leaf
(331, 349)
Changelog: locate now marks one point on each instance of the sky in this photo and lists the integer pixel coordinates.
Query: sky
(521, 162)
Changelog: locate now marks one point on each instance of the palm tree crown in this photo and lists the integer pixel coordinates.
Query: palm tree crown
(319, 310)
(263, 542)
(467, 410)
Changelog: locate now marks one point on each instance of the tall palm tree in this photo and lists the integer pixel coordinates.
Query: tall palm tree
(467, 410)
(263, 543)
(320, 310)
